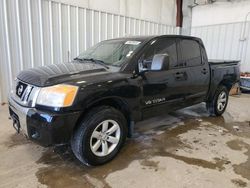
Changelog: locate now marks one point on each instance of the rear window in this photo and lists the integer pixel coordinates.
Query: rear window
(191, 54)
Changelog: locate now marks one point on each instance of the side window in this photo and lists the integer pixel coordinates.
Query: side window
(162, 46)
(191, 53)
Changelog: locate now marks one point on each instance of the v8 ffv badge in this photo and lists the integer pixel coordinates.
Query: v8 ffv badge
(155, 101)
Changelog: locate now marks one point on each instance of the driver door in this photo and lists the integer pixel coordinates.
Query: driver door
(162, 89)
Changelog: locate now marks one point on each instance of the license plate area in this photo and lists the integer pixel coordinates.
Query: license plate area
(16, 122)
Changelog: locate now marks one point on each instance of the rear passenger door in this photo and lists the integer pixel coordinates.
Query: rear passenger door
(194, 63)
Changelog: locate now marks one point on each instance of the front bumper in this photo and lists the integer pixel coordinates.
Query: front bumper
(42, 127)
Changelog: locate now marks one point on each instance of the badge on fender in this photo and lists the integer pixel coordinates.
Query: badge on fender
(155, 101)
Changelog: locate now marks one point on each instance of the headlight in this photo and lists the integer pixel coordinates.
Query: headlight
(57, 96)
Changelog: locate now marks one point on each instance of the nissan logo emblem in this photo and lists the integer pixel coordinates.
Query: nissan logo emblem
(20, 90)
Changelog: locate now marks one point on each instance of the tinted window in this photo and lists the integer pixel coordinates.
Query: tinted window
(161, 46)
(191, 54)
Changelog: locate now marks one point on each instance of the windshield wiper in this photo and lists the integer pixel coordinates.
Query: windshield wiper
(78, 59)
(96, 61)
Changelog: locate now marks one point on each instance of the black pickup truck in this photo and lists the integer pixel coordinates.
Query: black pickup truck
(94, 101)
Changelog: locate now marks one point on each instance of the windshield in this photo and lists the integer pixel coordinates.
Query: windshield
(111, 52)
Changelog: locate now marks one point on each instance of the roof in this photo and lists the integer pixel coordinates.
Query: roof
(144, 38)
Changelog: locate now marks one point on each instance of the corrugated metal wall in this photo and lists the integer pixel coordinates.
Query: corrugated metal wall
(41, 32)
(226, 41)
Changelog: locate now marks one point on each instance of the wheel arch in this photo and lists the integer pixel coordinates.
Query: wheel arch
(114, 102)
(226, 83)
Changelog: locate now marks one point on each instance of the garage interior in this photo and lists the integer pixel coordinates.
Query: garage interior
(186, 148)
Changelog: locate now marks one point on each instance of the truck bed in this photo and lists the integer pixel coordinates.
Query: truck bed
(223, 62)
(223, 71)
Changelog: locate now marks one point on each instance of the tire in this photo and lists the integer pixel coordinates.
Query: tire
(89, 145)
(213, 106)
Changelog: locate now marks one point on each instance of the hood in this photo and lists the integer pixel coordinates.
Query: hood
(59, 73)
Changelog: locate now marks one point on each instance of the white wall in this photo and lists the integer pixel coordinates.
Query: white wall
(161, 11)
(220, 13)
(222, 28)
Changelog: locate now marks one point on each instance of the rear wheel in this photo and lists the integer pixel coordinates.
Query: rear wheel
(100, 136)
(218, 104)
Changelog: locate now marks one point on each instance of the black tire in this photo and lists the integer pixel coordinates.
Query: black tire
(80, 141)
(212, 106)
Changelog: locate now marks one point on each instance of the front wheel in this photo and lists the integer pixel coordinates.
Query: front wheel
(100, 136)
(218, 104)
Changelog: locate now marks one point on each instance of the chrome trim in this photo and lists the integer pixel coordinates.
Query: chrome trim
(35, 95)
(21, 112)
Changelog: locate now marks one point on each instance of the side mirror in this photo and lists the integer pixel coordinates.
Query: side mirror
(160, 62)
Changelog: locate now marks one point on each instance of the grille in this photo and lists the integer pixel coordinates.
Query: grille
(24, 93)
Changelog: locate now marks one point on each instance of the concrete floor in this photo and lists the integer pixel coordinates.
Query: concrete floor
(186, 148)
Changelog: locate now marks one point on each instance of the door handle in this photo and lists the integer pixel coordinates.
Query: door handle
(179, 75)
(204, 71)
